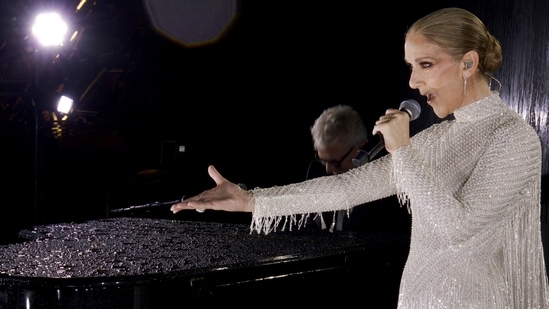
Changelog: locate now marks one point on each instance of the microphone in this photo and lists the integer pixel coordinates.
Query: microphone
(364, 155)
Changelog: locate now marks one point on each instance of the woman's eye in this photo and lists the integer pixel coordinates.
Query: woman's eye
(423, 65)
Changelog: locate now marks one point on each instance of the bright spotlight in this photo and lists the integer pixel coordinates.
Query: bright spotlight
(49, 29)
(64, 105)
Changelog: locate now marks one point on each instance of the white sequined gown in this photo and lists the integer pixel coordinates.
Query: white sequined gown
(473, 188)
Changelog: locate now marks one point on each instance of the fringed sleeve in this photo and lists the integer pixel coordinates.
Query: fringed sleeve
(288, 206)
(523, 255)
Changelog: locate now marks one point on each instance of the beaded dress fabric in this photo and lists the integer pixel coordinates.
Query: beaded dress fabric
(472, 186)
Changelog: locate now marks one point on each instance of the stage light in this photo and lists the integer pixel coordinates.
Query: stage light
(49, 29)
(64, 105)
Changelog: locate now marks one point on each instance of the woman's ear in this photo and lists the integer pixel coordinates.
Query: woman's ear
(470, 61)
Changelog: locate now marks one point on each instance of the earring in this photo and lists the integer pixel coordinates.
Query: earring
(464, 86)
(468, 65)
(490, 78)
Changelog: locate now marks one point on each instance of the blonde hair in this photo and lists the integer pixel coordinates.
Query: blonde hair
(458, 31)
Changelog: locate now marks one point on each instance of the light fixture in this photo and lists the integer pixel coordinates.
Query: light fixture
(49, 29)
(64, 105)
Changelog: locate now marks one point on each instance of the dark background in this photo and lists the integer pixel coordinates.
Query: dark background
(243, 101)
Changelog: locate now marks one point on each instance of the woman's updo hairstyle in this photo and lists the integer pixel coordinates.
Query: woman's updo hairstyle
(458, 31)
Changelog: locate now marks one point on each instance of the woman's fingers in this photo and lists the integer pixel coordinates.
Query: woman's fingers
(215, 175)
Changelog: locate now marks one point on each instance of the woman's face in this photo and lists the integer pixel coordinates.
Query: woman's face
(435, 74)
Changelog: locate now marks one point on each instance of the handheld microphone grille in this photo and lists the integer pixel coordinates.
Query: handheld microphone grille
(412, 107)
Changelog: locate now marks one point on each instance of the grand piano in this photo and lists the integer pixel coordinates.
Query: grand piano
(130, 262)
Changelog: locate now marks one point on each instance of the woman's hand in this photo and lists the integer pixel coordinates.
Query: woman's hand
(225, 196)
(395, 128)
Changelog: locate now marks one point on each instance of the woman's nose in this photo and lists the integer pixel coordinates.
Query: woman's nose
(413, 82)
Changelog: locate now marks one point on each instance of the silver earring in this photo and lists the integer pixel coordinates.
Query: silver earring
(490, 78)
(464, 86)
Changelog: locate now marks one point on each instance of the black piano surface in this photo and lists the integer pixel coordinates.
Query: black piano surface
(162, 263)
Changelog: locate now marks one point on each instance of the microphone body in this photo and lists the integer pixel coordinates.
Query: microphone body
(369, 151)
(374, 146)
